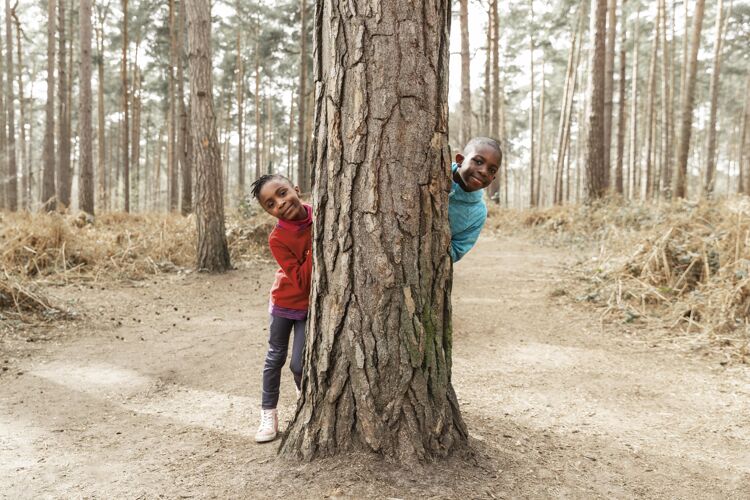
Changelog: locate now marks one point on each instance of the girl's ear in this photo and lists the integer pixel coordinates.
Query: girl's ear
(296, 188)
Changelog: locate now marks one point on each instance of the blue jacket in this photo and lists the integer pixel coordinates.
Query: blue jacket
(467, 213)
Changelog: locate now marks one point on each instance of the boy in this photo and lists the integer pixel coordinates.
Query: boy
(473, 171)
(291, 246)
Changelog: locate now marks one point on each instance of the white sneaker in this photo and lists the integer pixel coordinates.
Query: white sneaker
(269, 426)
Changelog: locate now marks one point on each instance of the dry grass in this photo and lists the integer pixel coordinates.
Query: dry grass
(56, 248)
(683, 266)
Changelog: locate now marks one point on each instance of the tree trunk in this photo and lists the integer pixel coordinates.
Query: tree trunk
(125, 153)
(619, 185)
(12, 186)
(686, 119)
(490, 61)
(378, 355)
(649, 174)
(632, 186)
(714, 97)
(240, 83)
(595, 171)
(497, 111)
(744, 149)
(63, 149)
(258, 135)
(289, 137)
(666, 90)
(24, 169)
(609, 86)
(186, 166)
(102, 198)
(135, 130)
(566, 108)
(86, 175)
(213, 254)
(466, 112)
(303, 172)
(532, 149)
(172, 153)
(155, 199)
(4, 178)
(48, 183)
(540, 139)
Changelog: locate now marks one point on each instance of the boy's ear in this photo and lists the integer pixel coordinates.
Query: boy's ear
(459, 158)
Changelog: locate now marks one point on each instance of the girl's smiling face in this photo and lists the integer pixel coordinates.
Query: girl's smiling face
(279, 198)
(478, 169)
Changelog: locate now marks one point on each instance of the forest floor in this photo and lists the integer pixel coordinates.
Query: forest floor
(155, 393)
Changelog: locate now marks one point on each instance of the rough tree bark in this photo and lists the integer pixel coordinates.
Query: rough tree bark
(595, 171)
(609, 85)
(378, 355)
(714, 98)
(466, 112)
(213, 253)
(86, 176)
(688, 99)
(48, 181)
(64, 176)
(12, 172)
(619, 185)
(186, 165)
(303, 172)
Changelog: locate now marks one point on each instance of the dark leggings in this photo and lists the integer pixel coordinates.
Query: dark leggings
(278, 345)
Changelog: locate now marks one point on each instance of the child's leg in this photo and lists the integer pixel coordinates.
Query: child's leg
(278, 344)
(298, 350)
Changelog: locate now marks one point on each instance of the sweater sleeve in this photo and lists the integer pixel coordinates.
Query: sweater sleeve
(463, 241)
(299, 273)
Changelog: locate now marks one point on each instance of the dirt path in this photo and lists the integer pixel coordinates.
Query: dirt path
(157, 394)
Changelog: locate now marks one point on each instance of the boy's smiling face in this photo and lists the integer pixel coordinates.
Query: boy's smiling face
(279, 198)
(478, 168)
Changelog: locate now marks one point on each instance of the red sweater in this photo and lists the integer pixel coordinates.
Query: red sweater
(291, 246)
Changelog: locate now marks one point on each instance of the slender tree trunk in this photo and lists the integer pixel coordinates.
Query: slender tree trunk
(173, 184)
(213, 254)
(744, 142)
(12, 186)
(532, 160)
(466, 111)
(157, 171)
(666, 157)
(497, 113)
(49, 201)
(63, 150)
(258, 135)
(135, 130)
(714, 97)
(186, 165)
(86, 175)
(24, 169)
(487, 112)
(378, 355)
(633, 163)
(4, 178)
(289, 137)
(688, 100)
(303, 172)
(125, 153)
(609, 86)
(540, 139)
(240, 68)
(596, 178)
(619, 184)
(649, 174)
(102, 198)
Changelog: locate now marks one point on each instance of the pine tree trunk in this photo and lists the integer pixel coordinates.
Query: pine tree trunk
(156, 198)
(186, 166)
(619, 184)
(666, 91)
(213, 254)
(487, 112)
(173, 182)
(135, 130)
(125, 153)
(63, 150)
(86, 176)
(497, 111)
(102, 198)
(595, 171)
(466, 111)
(633, 189)
(648, 174)
(24, 168)
(4, 179)
(49, 201)
(744, 141)
(532, 149)
(12, 186)
(378, 355)
(540, 138)
(240, 83)
(258, 135)
(609, 86)
(714, 98)
(289, 138)
(303, 172)
(688, 99)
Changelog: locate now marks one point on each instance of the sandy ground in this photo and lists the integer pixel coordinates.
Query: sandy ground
(156, 394)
